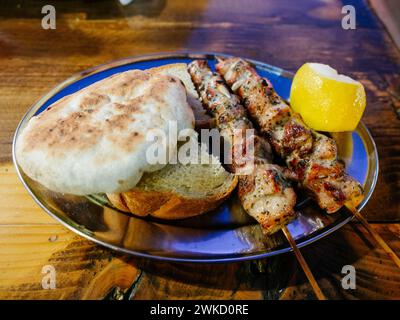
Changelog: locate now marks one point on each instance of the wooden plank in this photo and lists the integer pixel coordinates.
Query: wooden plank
(83, 269)
(87, 271)
(16, 205)
(377, 276)
(33, 60)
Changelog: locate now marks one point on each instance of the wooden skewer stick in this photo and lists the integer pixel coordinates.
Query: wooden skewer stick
(376, 236)
(303, 264)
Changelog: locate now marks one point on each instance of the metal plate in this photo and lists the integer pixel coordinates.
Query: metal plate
(224, 235)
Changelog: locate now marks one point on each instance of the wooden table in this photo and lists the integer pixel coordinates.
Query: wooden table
(33, 60)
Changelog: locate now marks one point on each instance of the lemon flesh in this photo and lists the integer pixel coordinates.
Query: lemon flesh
(326, 100)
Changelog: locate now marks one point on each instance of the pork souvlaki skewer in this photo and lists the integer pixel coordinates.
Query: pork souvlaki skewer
(310, 155)
(263, 191)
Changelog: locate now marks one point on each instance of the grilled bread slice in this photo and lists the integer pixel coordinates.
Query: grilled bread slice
(179, 190)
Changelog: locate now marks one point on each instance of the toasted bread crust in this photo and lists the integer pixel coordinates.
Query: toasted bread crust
(168, 205)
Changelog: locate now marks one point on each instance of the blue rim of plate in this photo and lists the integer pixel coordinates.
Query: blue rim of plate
(51, 96)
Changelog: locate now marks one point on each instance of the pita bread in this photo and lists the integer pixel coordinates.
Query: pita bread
(179, 70)
(94, 140)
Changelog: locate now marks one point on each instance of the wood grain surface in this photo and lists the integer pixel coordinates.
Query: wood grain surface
(283, 33)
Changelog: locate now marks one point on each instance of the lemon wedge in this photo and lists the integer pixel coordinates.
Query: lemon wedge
(326, 100)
